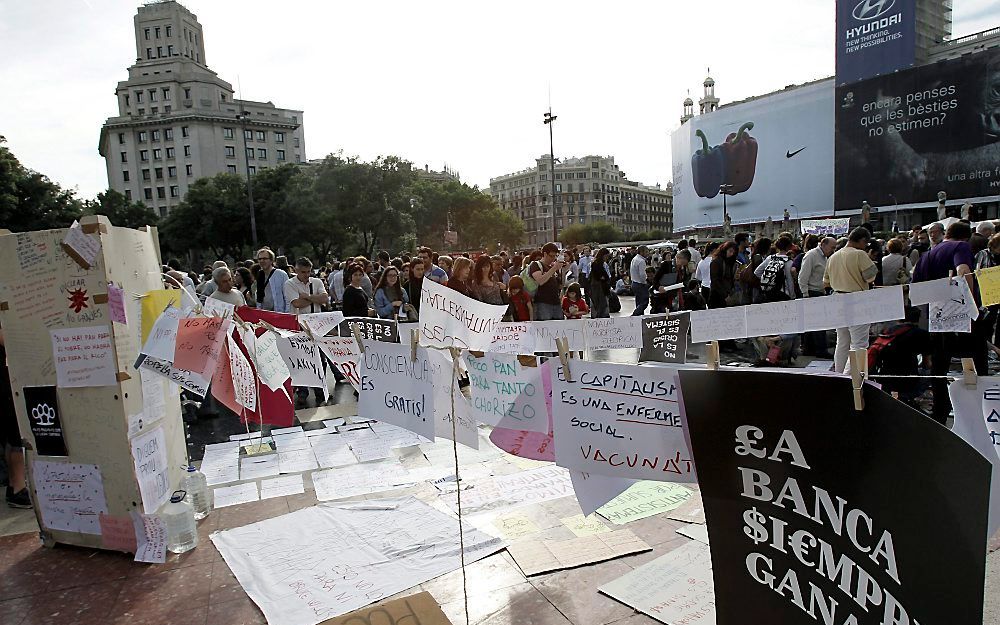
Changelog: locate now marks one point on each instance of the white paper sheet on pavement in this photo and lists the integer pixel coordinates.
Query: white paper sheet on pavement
(323, 561)
(593, 490)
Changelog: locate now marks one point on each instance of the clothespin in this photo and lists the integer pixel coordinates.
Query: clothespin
(712, 356)
(969, 375)
(562, 344)
(859, 373)
(414, 340)
(357, 337)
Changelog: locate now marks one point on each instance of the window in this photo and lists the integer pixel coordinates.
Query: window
(170, 152)
(249, 153)
(166, 93)
(559, 176)
(172, 171)
(143, 155)
(184, 131)
(121, 138)
(156, 135)
(161, 193)
(168, 134)
(159, 173)
(261, 153)
(157, 32)
(153, 110)
(253, 170)
(594, 164)
(138, 97)
(279, 137)
(231, 168)
(261, 136)
(125, 175)
(175, 191)
(230, 151)
(128, 100)
(581, 174)
(281, 155)
(159, 51)
(168, 31)
(142, 111)
(145, 174)
(248, 135)
(128, 195)
(187, 93)
(227, 133)
(147, 34)
(298, 158)
(152, 95)
(597, 187)
(187, 150)
(157, 154)
(223, 97)
(189, 170)
(569, 187)
(558, 187)
(295, 142)
(147, 193)
(149, 53)
(163, 211)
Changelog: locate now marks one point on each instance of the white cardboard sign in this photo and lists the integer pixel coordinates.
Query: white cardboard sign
(396, 389)
(450, 319)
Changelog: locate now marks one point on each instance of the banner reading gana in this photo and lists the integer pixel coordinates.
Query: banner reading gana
(903, 137)
(769, 154)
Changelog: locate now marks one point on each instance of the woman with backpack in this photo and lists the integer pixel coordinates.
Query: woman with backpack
(748, 281)
(722, 287)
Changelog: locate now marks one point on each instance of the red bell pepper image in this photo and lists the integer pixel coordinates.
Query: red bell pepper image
(740, 150)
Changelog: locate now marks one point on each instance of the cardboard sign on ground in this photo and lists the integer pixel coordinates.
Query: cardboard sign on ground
(419, 609)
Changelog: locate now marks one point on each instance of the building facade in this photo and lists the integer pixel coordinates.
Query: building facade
(178, 121)
(589, 189)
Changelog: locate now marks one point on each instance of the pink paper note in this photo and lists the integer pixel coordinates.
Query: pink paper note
(533, 445)
(116, 304)
(199, 342)
(117, 533)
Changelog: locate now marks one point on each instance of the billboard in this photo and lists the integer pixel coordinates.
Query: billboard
(759, 158)
(902, 138)
(874, 37)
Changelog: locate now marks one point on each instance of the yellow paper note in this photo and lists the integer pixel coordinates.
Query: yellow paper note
(582, 526)
(526, 464)
(644, 499)
(989, 285)
(152, 306)
(515, 526)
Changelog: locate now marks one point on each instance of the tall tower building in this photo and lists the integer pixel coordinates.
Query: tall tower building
(708, 103)
(178, 121)
(933, 27)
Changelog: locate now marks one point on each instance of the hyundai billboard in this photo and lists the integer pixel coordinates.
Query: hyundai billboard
(874, 37)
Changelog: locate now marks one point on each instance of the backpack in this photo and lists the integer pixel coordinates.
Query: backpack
(530, 286)
(772, 280)
(881, 344)
(745, 275)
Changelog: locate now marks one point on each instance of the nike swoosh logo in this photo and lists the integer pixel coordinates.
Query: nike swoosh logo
(791, 154)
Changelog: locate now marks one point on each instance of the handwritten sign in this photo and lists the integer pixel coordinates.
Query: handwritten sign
(956, 313)
(244, 380)
(149, 453)
(271, 367)
(613, 333)
(153, 303)
(162, 339)
(396, 389)
(151, 538)
(82, 247)
(621, 420)
(516, 525)
(345, 354)
(989, 285)
(513, 338)
(188, 380)
(644, 499)
(524, 443)
(584, 526)
(451, 408)
(116, 304)
(593, 490)
(199, 342)
(506, 393)
(546, 333)
(84, 357)
(70, 497)
(535, 557)
(217, 308)
(450, 319)
(320, 324)
(664, 338)
(117, 533)
(826, 227)
(302, 357)
(419, 609)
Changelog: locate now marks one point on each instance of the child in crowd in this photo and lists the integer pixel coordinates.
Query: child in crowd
(520, 302)
(573, 304)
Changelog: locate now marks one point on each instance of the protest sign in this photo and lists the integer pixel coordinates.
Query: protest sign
(513, 338)
(524, 443)
(447, 395)
(956, 313)
(345, 354)
(371, 329)
(199, 341)
(149, 453)
(621, 420)
(506, 393)
(217, 308)
(188, 380)
(69, 497)
(826, 227)
(84, 357)
(613, 333)
(116, 305)
(535, 557)
(152, 305)
(450, 319)
(593, 490)
(644, 499)
(161, 342)
(321, 323)
(243, 379)
(989, 285)
(717, 324)
(396, 389)
(42, 407)
(546, 333)
(419, 609)
(271, 367)
(930, 291)
(848, 484)
(302, 357)
(80, 246)
(151, 538)
(664, 338)
(117, 533)
(977, 421)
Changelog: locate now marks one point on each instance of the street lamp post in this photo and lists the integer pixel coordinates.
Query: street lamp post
(724, 189)
(549, 118)
(242, 117)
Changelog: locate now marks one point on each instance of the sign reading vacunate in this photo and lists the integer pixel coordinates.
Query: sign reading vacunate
(835, 515)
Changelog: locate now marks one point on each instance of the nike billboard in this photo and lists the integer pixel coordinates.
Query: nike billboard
(758, 157)
(874, 37)
(902, 138)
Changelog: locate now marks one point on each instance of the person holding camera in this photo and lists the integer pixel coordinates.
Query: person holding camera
(547, 273)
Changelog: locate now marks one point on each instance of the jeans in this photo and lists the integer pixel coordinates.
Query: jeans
(853, 337)
(547, 312)
(641, 292)
(944, 347)
(815, 342)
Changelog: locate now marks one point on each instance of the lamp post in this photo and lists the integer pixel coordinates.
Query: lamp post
(242, 117)
(549, 118)
(724, 189)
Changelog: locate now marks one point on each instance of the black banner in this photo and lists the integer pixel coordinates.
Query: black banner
(42, 407)
(831, 515)
(903, 137)
(664, 338)
(372, 328)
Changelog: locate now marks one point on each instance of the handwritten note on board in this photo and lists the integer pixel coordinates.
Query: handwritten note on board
(153, 303)
(83, 248)
(116, 304)
(69, 497)
(149, 453)
(613, 333)
(84, 357)
(117, 533)
(199, 343)
(506, 393)
(151, 538)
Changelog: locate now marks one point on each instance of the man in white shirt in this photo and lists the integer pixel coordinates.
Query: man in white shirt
(584, 267)
(336, 283)
(637, 273)
(811, 284)
(210, 285)
(695, 254)
(703, 273)
(304, 293)
(222, 278)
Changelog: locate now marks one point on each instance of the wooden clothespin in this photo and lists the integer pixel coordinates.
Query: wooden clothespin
(969, 375)
(712, 356)
(562, 344)
(859, 373)
(414, 341)
(357, 337)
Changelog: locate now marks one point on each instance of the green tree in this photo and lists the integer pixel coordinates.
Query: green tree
(475, 215)
(214, 215)
(29, 200)
(575, 234)
(121, 211)
(603, 232)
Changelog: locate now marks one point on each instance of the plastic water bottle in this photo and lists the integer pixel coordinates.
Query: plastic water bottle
(178, 517)
(196, 485)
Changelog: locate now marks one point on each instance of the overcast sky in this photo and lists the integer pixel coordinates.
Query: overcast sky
(463, 83)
